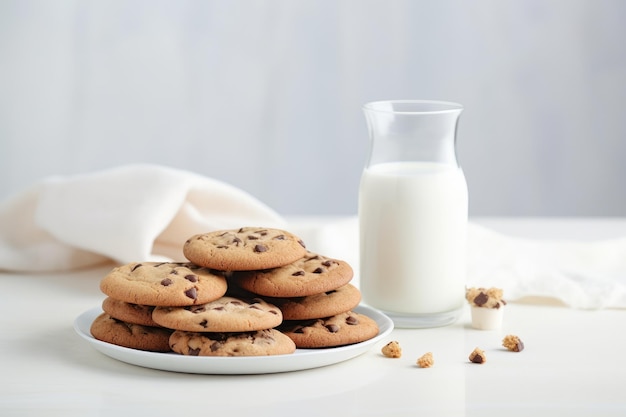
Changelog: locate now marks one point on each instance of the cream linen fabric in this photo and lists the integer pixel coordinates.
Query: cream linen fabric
(126, 214)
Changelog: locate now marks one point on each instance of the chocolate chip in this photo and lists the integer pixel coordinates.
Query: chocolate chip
(236, 241)
(279, 237)
(166, 282)
(191, 278)
(301, 243)
(333, 328)
(478, 359)
(215, 346)
(298, 273)
(481, 299)
(252, 237)
(192, 293)
(351, 320)
(260, 248)
(193, 352)
(203, 323)
(222, 247)
(135, 267)
(318, 270)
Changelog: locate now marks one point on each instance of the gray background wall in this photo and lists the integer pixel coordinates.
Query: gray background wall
(267, 95)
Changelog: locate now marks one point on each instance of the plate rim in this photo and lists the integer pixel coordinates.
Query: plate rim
(246, 365)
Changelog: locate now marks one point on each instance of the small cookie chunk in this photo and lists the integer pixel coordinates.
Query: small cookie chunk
(426, 360)
(259, 343)
(342, 329)
(163, 284)
(392, 350)
(477, 356)
(485, 297)
(513, 343)
(135, 336)
(311, 274)
(325, 304)
(226, 314)
(129, 312)
(244, 249)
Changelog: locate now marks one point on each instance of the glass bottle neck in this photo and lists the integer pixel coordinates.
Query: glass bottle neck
(412, 131)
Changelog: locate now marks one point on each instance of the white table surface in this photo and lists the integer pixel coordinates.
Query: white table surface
(574, 363)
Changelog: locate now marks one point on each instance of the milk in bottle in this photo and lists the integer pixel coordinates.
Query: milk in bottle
(413, 211)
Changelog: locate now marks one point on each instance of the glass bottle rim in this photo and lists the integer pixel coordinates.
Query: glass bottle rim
(413, 106)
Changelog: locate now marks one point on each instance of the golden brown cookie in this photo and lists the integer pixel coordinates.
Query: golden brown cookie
(135, 336)
(163, 284)
(244, 249)
(259, 343)
(128, 312)
(342, 329)
(315, 306)
(226, 314)
(311, 274)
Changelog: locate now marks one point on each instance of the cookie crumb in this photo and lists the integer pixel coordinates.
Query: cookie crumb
(513, 343)
(392, 350)
(426, 360)
(477, 356)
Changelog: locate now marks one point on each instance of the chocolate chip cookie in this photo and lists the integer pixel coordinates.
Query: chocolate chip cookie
(128, 312)
(135, 336)
(244, 249)
(311, 274)
(163, 284)
(314, 306)
(341, 329)
(226, 314)
(259, 343)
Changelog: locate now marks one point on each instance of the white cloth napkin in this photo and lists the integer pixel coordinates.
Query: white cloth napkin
(586, 275)
(125, 214)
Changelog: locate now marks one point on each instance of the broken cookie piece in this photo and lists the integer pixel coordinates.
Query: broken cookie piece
(513, 343)
(477, 356)
(392, 350)
(426, 360)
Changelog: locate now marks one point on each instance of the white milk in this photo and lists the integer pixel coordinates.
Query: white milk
(413, 219)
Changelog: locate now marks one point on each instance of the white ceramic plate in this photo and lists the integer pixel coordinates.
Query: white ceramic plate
(301, 359)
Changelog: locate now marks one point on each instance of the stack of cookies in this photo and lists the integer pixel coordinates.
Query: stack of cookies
(316, 299)
(245, 292)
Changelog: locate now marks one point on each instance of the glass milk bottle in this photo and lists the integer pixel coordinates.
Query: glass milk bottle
(413, 212)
